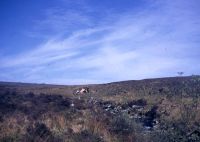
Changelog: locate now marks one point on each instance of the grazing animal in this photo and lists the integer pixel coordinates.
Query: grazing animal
(82, 91)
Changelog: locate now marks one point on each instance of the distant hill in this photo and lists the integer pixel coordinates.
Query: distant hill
(170, 85)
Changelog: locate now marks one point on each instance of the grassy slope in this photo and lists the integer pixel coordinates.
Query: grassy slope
(165, 109)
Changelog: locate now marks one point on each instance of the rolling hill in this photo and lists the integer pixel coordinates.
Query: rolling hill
(150, 110)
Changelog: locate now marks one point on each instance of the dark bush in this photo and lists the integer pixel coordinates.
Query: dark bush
(121, 125)
(31, 104)
(140, 102)
(150, 116)
(14, 138)
(39, 132)
(86, 136)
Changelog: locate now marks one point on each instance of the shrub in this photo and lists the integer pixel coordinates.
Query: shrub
(39, 133)
(86, 136)
(121, 125)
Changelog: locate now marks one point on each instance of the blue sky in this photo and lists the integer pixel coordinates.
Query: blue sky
(93, 41)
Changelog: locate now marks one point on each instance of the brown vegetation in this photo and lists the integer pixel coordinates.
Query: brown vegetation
(133, 111)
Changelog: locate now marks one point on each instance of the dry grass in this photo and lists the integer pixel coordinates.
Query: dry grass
(46, 114)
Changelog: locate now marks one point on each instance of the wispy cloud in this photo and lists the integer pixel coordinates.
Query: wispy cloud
(157, 41)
